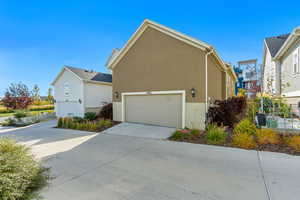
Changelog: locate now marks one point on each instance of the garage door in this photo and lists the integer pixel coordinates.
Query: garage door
(162, 110)
(68, 109)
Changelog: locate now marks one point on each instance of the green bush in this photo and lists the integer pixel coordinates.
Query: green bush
(245, 126)
(177, 135)
(215, 135)
(244, 140)
(185, 134)
(90, 116)
(9, 122)
(2, 111)
(21, 176)
(20, 114)
(78, 119)
(60, 122)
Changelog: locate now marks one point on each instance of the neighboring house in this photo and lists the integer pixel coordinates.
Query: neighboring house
(77, 91)
(271, 74)
(281, 63)
(163, 77)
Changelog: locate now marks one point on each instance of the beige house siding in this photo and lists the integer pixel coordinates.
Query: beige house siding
(269, 71)
(230, 86)
(287, 74)
(158, 62)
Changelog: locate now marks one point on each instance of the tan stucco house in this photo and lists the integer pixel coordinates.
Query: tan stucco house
(163, 77)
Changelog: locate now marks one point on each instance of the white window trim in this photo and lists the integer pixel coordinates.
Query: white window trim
(182, 92)
(295, 60)
(66, 84)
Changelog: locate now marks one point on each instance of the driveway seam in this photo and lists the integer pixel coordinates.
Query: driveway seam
(263, 175)
(99, 166)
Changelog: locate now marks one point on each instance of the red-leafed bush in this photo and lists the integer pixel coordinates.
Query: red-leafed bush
(17, 96)
(227, 112)
(107, 111)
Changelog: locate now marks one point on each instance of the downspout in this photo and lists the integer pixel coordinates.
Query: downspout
(206, 80)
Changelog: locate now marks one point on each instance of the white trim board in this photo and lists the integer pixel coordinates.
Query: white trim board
(181, 92)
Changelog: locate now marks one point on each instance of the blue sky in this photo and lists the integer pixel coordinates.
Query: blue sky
(38, 37)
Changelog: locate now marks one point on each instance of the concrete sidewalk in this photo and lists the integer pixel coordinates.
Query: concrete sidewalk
(106, 166)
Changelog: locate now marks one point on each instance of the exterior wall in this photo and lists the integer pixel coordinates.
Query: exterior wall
(287, 75)
(269, 74)
(293, 103)
(75, 92)
(195, 115)
(117, 111)
(230, 85)
(96, 95)
(158, 62)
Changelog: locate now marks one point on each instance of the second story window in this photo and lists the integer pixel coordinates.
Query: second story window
(66, 89)
(296, 61)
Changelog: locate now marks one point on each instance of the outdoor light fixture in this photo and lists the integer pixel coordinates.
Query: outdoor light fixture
(116, 95)
(79, 101)
(193, 92)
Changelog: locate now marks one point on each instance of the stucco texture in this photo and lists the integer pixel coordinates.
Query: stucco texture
(159, 62)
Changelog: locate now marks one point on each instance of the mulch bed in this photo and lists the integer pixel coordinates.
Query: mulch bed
(280, 148)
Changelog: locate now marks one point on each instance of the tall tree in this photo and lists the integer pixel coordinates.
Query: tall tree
(17, 96)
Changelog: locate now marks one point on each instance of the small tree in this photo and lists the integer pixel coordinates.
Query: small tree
(50, 97)
(17, 96)
(36, 94)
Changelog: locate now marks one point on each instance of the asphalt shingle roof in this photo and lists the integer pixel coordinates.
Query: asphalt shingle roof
(91, 75)
(274, 43)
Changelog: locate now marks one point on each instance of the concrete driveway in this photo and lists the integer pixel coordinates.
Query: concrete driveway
(113, 167)
(141, 130)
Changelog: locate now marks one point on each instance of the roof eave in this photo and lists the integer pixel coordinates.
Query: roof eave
(147, 23)
(97, 82)
(289, 41)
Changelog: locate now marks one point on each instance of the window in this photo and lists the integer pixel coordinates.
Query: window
(66, 89)
(296, 61)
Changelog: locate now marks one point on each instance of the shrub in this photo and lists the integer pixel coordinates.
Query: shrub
(78, 119)
(6, 111)
(107, 111)
(244, 140)
(227, 112)
(267, 136)
(252, 109)
(60, 122)
(9, 122)
(215, 135)
(185, 134)
(294, 142)
(107, 123)
(245, 126)
(177, 135)
(41, 108)
(21, 176)
(20, 114)
(90, 116)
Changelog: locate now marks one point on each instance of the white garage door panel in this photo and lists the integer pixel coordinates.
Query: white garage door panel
(163, 110)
